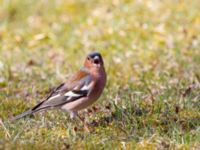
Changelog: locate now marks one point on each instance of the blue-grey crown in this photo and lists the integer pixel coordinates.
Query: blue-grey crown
(94, 54)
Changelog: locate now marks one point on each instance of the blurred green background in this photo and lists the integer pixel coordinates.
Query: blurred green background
(151, 51)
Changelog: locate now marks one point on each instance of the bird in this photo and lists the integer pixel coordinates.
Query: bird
(77, 93)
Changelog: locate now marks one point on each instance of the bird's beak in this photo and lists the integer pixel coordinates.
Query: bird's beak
(96, 60)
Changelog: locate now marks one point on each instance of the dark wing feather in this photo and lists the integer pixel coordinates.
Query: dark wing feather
(63, 95)
(68, 92)
(52, 93)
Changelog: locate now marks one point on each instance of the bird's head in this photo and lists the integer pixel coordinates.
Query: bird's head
(94, 60)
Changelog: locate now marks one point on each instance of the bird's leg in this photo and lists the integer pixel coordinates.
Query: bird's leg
(84, 123)
(74, 115)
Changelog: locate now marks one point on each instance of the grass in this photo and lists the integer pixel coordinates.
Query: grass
(152, 57)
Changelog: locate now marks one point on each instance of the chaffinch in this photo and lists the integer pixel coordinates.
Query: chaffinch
(79, 92)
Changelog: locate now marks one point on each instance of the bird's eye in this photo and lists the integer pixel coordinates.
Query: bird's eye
(88, 58)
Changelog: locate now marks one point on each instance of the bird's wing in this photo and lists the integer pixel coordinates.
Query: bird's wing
(79, 86)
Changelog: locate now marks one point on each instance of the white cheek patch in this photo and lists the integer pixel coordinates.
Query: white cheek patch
(97, 65)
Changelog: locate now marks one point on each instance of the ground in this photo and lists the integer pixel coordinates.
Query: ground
(151, 51)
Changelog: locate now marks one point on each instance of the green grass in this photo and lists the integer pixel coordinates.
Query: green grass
(152, 57)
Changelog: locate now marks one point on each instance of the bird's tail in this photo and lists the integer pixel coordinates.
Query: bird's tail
(24, 114)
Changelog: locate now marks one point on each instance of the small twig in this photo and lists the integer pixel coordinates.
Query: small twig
(123, 130)
(7, 133)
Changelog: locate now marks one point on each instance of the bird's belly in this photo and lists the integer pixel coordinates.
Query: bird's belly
(78, 104)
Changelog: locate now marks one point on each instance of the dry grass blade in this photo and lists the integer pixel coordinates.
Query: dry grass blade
(5, 129)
